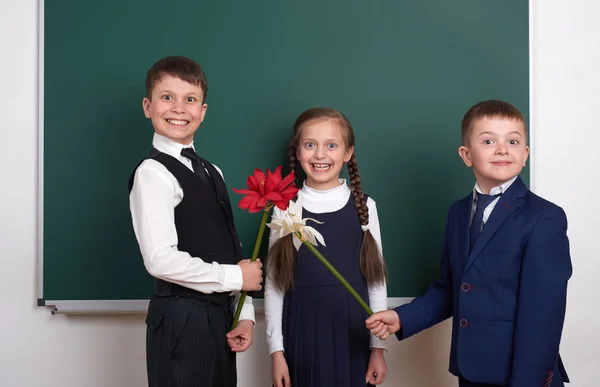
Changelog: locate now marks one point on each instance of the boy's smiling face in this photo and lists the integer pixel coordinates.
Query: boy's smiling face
(176, 109)
(497, 150)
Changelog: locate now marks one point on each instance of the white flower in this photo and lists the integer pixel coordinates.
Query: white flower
(291, 222)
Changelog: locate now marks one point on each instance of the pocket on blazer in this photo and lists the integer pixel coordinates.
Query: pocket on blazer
(506, 250)
(502, 323)
(506, 262)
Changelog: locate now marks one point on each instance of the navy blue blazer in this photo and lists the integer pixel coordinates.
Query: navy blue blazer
(507, 296)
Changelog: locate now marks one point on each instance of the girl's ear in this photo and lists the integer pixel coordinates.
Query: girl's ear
(348, 154)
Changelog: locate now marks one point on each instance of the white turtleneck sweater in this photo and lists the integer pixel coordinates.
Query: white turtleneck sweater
(321, 202)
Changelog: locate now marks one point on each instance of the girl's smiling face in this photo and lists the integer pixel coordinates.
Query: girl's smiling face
(322, 152)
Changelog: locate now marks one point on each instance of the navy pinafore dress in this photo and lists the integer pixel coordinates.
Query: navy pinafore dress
(326, 341)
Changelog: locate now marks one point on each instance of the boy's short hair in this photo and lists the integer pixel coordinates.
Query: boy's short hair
(180, 67)
(492, 108)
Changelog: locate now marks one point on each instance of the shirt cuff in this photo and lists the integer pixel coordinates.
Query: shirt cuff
(275, 344)
(376, 343)
(232, 278)
(247, 312)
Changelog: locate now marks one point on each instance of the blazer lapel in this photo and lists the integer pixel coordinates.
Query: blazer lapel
(464, 221)
(507, 204)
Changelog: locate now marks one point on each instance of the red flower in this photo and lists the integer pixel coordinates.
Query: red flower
(267, 190)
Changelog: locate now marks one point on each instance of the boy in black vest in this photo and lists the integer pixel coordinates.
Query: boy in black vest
(183, 223)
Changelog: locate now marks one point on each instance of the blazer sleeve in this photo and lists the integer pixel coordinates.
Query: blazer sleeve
(546, 269)
(433, 307)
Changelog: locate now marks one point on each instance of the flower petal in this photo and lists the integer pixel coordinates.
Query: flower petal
(245, 202)
(252, 206)
(278, 225)
(262, 202)
(246, 192)
(273, 180)
(286, 181)
(312, 234)
(297, 243)
(273, 196)
(309, 238)
(291, 191)
(258, 175)
(281, 204)
(252, 183)
(295, 209)
(314, 220)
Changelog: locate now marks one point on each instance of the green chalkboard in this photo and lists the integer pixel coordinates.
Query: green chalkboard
(404, 72)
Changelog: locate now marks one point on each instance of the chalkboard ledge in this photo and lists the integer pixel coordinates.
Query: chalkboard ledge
(141, 306)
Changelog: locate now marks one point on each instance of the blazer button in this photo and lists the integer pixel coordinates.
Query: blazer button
(464, 323)
(466, 287)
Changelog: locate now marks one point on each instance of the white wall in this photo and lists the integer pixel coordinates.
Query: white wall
(567, 160)
(37, 349)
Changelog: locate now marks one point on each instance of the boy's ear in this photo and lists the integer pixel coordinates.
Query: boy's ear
(204, 107)
(348, 154)
(146, 107)
(464, 154)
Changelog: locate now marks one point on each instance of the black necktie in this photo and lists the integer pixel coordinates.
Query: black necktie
(483, 201)
(196, 164)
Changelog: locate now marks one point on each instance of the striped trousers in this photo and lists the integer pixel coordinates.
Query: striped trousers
(186, 344)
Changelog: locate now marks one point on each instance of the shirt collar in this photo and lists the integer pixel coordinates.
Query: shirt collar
(495, 190)
(324, 201)
(168, 146)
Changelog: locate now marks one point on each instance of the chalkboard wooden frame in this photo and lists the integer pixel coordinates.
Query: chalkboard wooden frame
(139, 305)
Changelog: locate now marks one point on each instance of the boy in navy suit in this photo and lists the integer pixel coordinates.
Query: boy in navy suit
(504, 268)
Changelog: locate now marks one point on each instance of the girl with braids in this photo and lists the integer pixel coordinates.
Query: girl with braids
(315, 329)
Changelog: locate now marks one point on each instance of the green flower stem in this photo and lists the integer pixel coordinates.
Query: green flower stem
(339, 277)
(259, 237)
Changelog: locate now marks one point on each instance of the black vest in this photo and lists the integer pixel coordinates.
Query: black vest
(204, 224)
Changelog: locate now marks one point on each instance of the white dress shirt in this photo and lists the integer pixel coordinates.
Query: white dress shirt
(153, 198)
(320, 202)
(494, 191)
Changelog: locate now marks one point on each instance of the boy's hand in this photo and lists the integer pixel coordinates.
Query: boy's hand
(383, 324)
(251, 274)
(240, 338)
(377, 369)
(279, 370)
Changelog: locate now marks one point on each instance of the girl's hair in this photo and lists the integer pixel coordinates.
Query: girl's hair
(281, 258)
